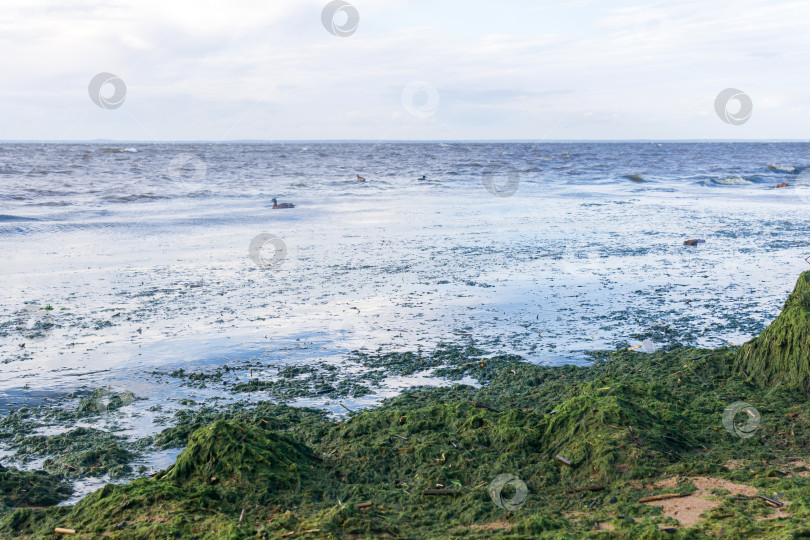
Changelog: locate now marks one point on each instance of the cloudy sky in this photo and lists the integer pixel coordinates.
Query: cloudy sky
(412, 69)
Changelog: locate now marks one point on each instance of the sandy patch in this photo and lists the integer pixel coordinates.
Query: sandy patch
(493, 526)
(733, 464)
(687, 510)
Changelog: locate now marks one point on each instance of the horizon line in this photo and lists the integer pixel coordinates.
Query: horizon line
(384, 141)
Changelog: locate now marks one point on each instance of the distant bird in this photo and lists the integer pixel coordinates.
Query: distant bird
(423, 177)
(276, 206)
(360, 178)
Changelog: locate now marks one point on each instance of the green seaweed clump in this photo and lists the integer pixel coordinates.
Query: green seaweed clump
(226, 452)
(78, 453)
(31, 488)
(781, 353)
(226, 467)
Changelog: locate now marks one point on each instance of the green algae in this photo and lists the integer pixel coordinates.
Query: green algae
(419, 465)
(623, 422)
(78, 453)
(781, 353)
(31, 488)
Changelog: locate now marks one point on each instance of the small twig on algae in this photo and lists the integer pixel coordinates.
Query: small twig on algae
(345, 407)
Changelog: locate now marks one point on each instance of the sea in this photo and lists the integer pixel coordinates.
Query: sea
(122, 259)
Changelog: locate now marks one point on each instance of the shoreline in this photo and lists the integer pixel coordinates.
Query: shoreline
(627, 421)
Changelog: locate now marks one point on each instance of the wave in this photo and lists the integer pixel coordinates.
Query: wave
(7, 217)
(731, 181)
(133, 198)
(119, 150)
(635, 177)
(782, 168)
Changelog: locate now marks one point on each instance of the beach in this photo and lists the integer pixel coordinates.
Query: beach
(133, 304)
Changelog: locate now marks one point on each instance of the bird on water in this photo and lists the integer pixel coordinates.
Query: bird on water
(276, 206)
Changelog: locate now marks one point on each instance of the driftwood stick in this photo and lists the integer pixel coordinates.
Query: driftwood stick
(663, 497)
(586, 488)
(450, 492)
(773, 502)
(564, 460)
(345, 407)
(487, 407)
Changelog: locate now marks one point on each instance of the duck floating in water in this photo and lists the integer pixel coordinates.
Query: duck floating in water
(360, 178)
(276, 206)
(422, 178)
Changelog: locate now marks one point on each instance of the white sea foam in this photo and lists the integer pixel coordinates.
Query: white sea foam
(731, 181)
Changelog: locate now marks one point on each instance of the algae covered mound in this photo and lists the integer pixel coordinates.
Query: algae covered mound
(781, 353)
(227, 467)
(242, 456)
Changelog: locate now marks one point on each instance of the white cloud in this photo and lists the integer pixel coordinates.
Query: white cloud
(269, 70)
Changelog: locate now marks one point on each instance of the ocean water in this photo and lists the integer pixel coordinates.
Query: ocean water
(546, 250)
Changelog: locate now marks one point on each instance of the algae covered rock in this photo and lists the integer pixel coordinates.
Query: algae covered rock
(781, 353)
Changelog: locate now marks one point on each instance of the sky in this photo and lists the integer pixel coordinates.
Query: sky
(410, 70)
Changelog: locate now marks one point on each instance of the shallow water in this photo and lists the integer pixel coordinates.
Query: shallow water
(147, 267)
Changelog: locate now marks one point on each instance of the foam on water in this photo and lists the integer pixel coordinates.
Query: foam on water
(149, 271)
